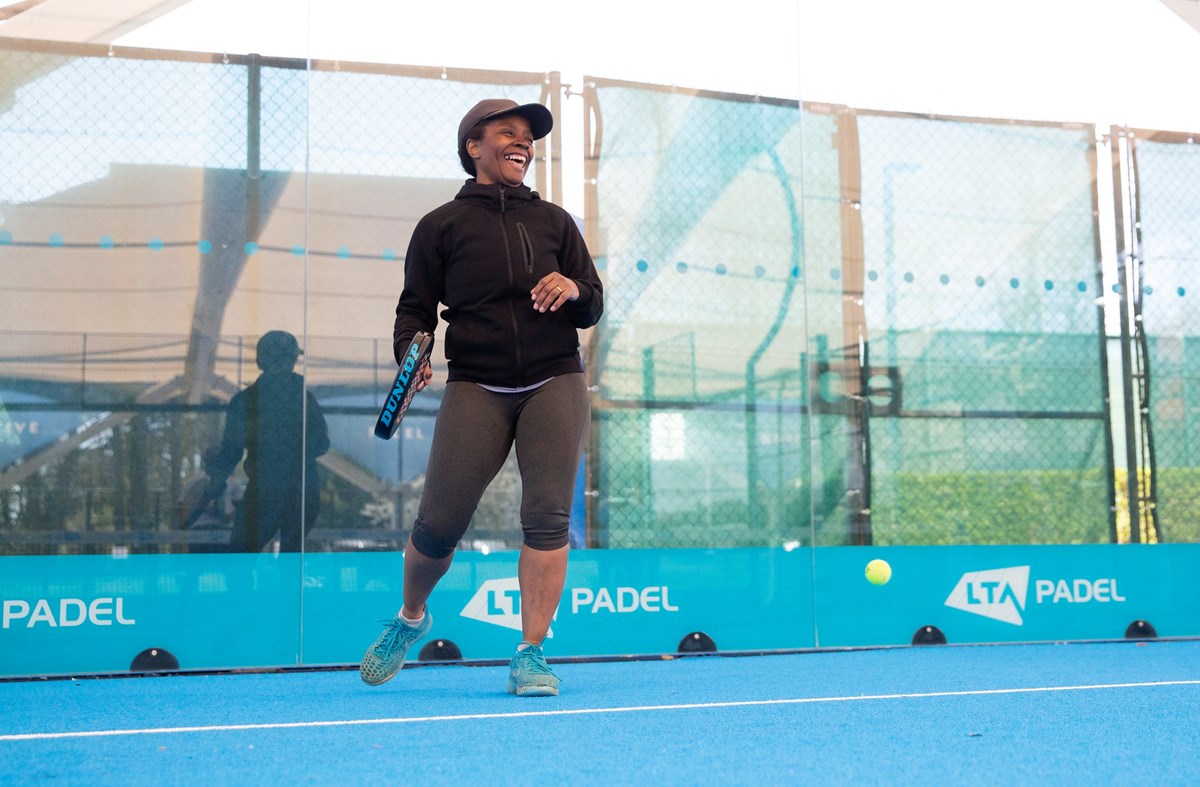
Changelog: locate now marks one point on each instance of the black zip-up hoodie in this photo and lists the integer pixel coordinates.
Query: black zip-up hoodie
(480, 255)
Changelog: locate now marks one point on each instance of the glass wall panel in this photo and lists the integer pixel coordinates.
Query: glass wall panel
(125, 202)
(154, 459)
(977, 346)
(887, 316)
(701, 431)
(1164, 168)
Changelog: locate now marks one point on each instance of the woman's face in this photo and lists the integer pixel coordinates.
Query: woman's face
(504, 153)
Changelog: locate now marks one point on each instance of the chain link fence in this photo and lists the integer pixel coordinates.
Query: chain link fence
(980, 282)
(823, 325)
(1164, 169)
(699, 234)
(928, 297)
(175, 208)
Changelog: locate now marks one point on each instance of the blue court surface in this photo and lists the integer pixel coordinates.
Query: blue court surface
(1109, 713)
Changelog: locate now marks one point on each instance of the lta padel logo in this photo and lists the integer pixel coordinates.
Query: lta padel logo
(1000, 593)
(997, 593)
(498, 602)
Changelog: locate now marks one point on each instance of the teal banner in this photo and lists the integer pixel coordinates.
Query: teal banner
(84, 613)
(80, 614)
(616, 602)
(1005, 593)
(94, 614)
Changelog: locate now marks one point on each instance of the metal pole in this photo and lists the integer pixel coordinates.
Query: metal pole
(1120, 208)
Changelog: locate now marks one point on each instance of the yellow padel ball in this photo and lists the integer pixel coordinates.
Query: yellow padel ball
(878, 572)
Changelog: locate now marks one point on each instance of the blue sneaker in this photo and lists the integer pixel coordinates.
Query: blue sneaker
(386, 655)
(530, 676)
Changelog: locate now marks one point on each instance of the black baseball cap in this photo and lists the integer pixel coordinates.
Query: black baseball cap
(540, 119)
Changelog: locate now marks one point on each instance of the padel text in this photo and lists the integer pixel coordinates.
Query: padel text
(64, 612)
(1077, 591)
(622, 599)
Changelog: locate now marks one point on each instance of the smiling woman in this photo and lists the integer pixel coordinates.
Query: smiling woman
(496, 139)
(503, 151)
(518, 284)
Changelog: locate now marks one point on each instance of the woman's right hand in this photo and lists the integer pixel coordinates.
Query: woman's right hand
(423, 378)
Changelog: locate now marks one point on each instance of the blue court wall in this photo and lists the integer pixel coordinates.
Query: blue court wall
(89, 614)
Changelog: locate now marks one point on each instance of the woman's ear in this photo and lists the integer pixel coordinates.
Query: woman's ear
(472, 148)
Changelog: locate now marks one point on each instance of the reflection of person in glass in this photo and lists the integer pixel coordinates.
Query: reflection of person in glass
(518, 283)
(281, 430)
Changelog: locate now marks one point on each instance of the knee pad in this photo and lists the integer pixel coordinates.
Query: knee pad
(546, 532)
(431, 544)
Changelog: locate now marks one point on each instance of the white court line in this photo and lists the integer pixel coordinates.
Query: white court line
(41, 736)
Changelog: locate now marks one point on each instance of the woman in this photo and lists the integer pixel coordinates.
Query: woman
(517, 282)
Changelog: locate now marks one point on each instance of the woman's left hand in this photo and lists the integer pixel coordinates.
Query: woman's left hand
(553, 291)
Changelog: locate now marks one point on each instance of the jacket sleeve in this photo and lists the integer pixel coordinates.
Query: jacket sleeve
(575, 262)
(423, 284)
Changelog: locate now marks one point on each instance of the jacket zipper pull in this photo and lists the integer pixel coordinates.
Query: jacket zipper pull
(501, 199)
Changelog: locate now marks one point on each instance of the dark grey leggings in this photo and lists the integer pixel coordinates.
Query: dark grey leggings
(474, 432)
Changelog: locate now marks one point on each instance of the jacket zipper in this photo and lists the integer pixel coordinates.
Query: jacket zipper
(512, 282)
(526, 246)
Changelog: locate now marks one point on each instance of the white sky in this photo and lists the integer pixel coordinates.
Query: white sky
(1104, 61)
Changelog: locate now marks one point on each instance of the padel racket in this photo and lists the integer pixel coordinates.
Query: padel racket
(412, 364)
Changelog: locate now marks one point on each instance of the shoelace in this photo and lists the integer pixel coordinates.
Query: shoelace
(390, 640)
(533, 661)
